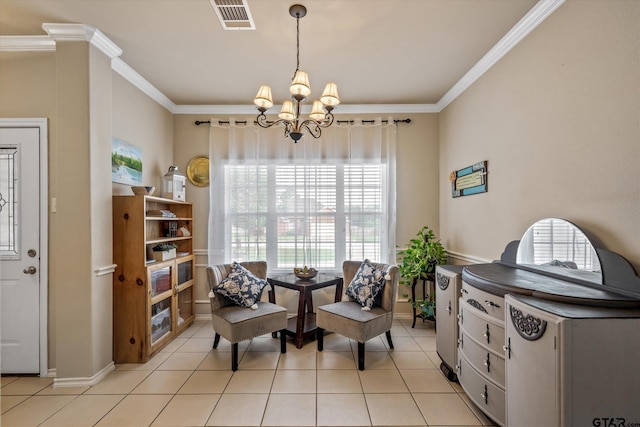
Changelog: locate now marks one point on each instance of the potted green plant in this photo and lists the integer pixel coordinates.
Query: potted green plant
(164, 251)
(418, 261)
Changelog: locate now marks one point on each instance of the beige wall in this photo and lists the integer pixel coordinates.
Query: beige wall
(417, 183)
(95, 104)
(558, 121)
(139, 120)
(28, 89)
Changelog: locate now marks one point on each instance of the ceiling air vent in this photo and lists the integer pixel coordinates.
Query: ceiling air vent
(233, 14)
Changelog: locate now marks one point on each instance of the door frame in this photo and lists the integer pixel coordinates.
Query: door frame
(42, 125)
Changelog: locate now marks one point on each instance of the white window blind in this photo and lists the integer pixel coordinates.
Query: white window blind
(314, 215)
(554, 241)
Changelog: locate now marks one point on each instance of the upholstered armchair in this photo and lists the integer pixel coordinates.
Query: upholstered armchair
(351, 319)
(237, 323)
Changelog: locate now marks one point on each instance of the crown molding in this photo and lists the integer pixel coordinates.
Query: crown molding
(120, 67)
(306, 109)
(81, 32)
(531, 20)
(26, 44)
(71, 32)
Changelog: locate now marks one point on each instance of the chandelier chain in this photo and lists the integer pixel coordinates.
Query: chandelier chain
(297, 41)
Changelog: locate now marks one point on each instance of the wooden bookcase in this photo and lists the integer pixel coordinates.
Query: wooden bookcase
(153, 300)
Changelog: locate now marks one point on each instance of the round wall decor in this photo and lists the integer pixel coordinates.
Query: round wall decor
(198, 171)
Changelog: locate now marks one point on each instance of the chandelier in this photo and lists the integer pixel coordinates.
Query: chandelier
(320, 117)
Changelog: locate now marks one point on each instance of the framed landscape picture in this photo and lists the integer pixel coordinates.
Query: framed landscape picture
(126, 162)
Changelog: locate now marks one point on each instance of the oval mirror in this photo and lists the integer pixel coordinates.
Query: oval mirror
(556, 246)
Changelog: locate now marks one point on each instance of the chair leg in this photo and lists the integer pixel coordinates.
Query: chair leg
(216, 340)
(283, 341)
(320, 338)
(388, 333)
(361, 356)
(234, 356)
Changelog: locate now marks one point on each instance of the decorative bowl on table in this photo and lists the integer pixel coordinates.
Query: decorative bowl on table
(143, 190)
(305, 273)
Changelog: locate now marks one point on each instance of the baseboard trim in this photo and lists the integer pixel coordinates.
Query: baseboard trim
(84, 381)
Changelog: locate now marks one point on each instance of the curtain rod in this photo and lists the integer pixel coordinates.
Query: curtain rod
(244, 122)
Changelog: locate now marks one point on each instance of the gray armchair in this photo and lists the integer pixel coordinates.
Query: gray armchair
(237, 323)
(347, 317)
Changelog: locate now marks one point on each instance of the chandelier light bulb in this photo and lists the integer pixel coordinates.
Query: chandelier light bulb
(317, 112)
(300, 84)
(263, 98)
(330, 95)
(287, 113)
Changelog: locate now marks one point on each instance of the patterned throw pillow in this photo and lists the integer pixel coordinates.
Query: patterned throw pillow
(242, 287)
(367, 283)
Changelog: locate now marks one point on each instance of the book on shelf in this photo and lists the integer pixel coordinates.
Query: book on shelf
(161, 213)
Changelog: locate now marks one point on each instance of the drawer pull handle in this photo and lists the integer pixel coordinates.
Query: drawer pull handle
(487, 335)
(449, 308)
(485, 395)
(507, 348)
(464, 291)
(487, 363)
(491, 304)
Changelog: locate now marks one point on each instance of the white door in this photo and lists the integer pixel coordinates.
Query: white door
(20, 288)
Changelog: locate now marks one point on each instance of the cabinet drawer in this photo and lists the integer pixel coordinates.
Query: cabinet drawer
(481, 327)
(487, 396)
(483, 360)
(490, 304)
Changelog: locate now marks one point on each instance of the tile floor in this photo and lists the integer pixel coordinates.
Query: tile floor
(188, 384)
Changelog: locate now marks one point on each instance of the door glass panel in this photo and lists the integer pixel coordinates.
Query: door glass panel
(160, 281)
(9, 244)
(160, 320)
(185, 305)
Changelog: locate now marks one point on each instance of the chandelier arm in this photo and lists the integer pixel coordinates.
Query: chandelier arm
(313, 127)
(327, 121)
(263, 122)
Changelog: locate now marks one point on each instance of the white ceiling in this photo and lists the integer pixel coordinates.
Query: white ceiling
(378, 51)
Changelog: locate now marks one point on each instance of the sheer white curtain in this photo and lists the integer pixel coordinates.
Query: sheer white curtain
(314, 203)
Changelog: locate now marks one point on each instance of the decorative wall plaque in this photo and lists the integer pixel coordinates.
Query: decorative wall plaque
(469, 180)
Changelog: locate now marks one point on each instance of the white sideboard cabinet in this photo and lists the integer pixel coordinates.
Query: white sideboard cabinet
(549, 335)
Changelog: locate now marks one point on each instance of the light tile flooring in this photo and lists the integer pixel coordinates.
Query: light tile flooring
(188, 384)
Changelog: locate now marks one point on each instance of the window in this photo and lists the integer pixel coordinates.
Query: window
(8, 195)
(294, 215)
